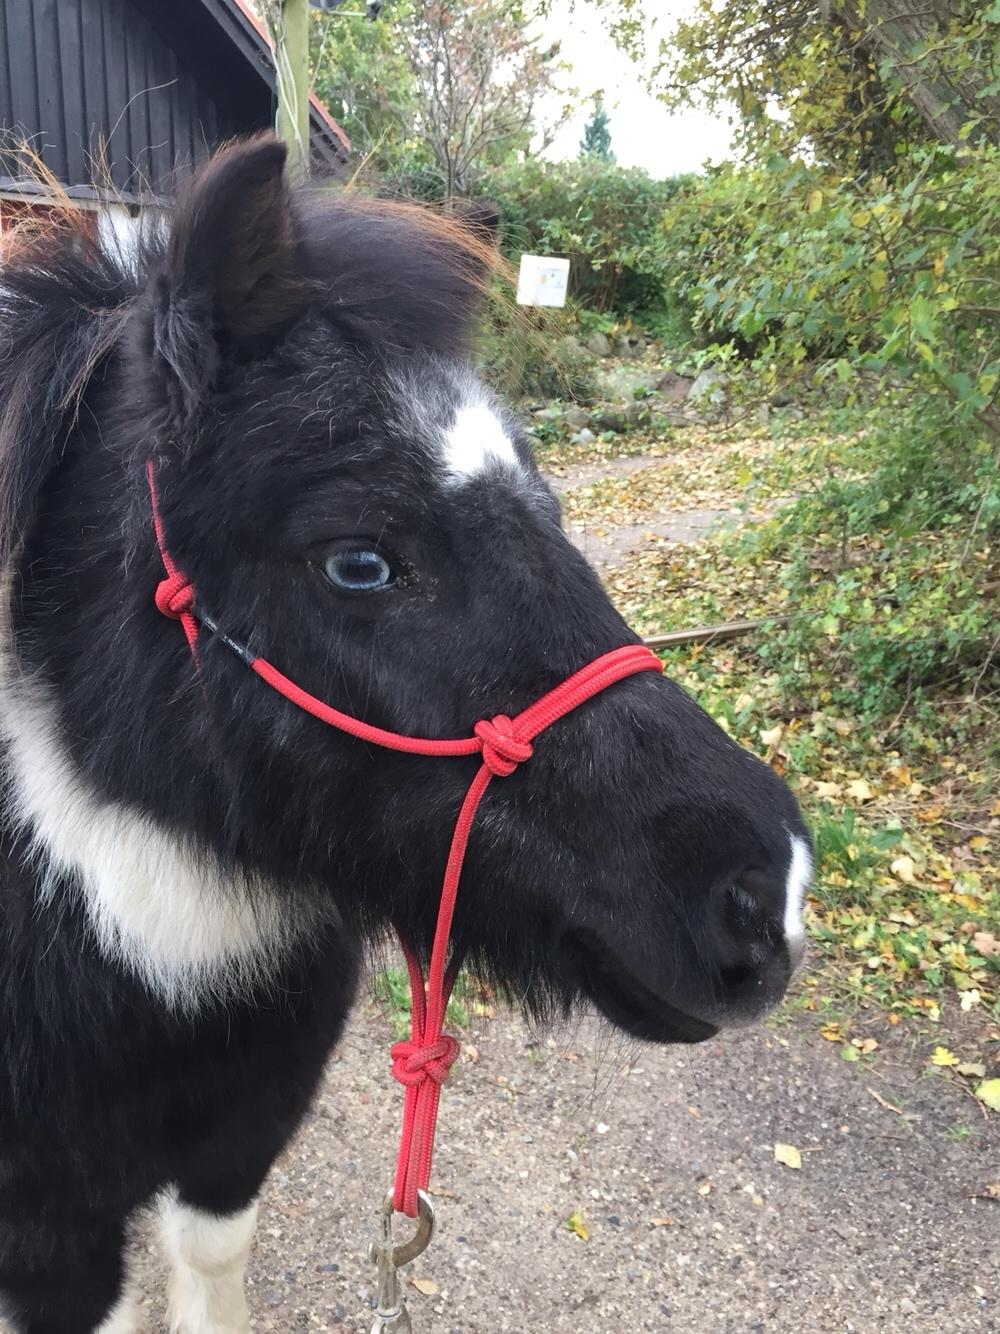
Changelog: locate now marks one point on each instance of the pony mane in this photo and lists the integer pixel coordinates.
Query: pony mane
(394, 275)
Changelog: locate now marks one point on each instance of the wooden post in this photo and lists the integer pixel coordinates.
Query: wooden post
(291, 59)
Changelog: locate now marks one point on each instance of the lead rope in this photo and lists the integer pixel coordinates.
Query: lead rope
(422, 1063)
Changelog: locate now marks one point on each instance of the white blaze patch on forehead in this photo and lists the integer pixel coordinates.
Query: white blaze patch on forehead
(799, 874)
(476, 439)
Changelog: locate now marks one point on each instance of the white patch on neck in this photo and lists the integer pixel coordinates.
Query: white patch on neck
(162, 909)
(158, 907)
(475, 440)
(799, 874)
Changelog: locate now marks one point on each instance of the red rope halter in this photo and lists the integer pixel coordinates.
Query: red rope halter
(421, 1064)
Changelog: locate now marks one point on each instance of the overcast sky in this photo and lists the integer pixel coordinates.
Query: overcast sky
(643, 132)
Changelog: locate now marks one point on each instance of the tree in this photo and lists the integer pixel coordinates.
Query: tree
(854, 84)
(361, 71)
(448, 87)
(596, 140)
(863, 233)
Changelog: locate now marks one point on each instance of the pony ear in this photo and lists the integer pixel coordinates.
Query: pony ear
(229, 282)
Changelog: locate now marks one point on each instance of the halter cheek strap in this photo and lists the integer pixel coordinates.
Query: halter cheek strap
(422, 1063)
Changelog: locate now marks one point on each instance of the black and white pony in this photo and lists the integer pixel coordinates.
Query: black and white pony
(190, 866)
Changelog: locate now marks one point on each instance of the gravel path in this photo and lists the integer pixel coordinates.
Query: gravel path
(876, 1232)
(606, 545)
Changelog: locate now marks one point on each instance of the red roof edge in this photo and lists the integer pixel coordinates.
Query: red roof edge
(319, 107)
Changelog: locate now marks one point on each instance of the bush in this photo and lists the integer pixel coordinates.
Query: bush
(890, 572)
(535, 357)
(864, 276)
(608, 220)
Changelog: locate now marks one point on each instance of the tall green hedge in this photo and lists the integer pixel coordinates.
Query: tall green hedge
(610, 221)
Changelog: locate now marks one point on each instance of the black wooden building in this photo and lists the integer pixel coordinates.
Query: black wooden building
(119, 97)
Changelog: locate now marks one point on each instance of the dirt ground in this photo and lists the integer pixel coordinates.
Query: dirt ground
(668, 1155)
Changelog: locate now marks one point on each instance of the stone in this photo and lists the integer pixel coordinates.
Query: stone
(623, 382)
(629, 346)
(709, 390)
(598, 344)
(622, 416)
(584, 437)
(673, 386)
(576, 418)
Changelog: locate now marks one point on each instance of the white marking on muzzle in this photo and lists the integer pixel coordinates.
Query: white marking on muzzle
(475, 439)
(799, 875)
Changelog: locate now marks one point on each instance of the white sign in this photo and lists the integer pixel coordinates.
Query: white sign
(542, 281)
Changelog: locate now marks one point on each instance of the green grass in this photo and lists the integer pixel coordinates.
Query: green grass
(391, 989)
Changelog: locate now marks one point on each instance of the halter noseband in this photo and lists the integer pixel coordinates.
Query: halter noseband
(423, 1063)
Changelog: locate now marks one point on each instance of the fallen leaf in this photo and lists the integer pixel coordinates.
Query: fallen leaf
(577, 1226)
(661, 1222)
(860, 790)
(971, 1069)
(427, 1286)
(942, 1056)
(787, 1154)
(470, 1052)
(864, 1045)
(771, 736)
(979, 844)
(986, 943)
(970, 998)
(850, 1053)
(832, 1033)
(988, 1093)
(904, 869)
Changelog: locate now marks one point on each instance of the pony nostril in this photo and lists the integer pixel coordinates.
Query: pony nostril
(740, 907)
(738, 976)
(744, 918)
(750, 933)
(753, 959)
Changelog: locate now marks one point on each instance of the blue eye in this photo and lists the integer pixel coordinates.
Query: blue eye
(358, 569)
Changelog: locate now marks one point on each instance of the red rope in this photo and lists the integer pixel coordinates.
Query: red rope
(422, 1064)
(174, 595)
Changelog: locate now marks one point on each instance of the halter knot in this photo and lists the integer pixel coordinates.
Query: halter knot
(502, 750)
(413, 1063)
(174, 595)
